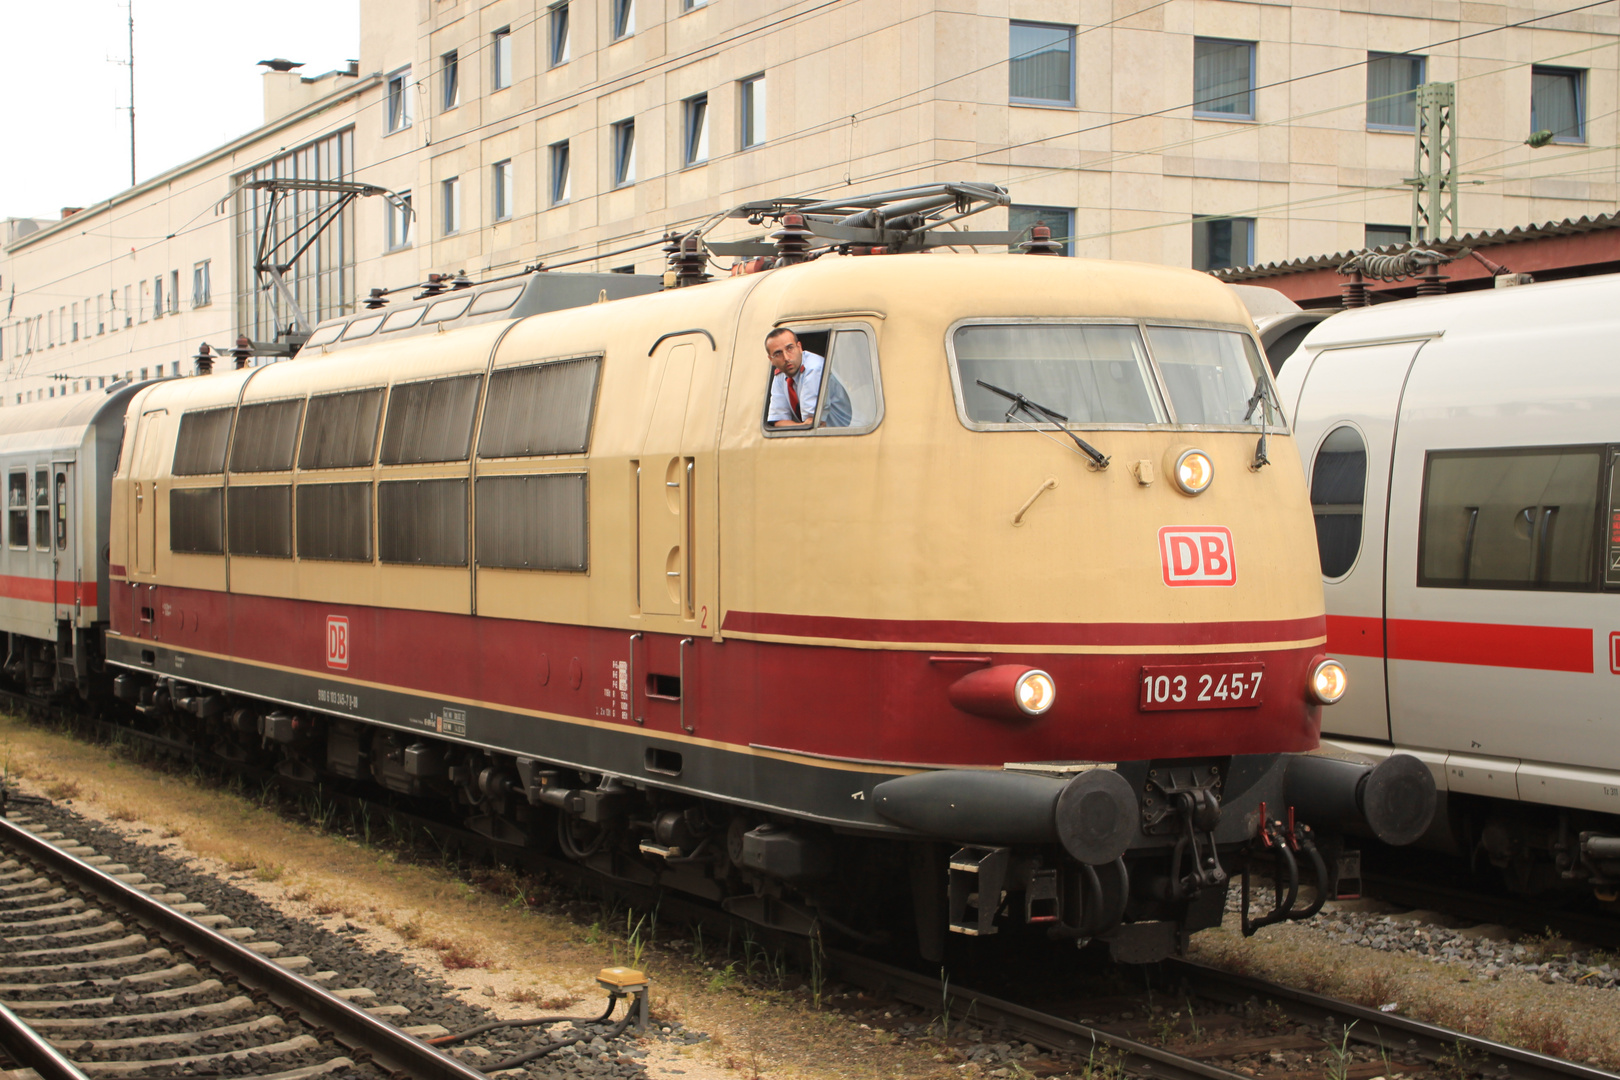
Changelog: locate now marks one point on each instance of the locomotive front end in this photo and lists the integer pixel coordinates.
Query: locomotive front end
(1101, 654)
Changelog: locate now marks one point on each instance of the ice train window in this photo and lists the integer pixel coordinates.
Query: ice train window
(1338, 490)
(197, 521)
(422, 522)
(533, 522)
(495, 300)
(325, 335)
(1522, 518)
(204, 436)
(837, 387)
(1211, 376)
(260, 521)
(540, 409)
(266, 435)
(1090, 374)
(341, 431)
(334, 522)
(430, 421)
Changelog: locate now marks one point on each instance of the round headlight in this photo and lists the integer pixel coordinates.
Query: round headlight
(1194, 471)
(1328, 681)
(1035, 691)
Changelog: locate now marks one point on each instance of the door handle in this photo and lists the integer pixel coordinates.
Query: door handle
(634, 715)
(684, 643)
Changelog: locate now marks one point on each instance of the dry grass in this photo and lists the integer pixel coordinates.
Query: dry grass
(61, 790)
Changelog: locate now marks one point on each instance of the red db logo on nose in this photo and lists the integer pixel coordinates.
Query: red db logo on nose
(337, 642)
(1201, 556)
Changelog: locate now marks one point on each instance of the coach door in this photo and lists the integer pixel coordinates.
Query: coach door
(64, 550)
(1345, 421)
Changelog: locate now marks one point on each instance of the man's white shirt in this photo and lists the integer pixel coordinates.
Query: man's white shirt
(807, 382)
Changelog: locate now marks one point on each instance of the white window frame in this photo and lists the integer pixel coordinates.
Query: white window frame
(752, 101)
(1060, 102)
(624, 153)
(500, 59)
(397, 102)
(1202, 114)
(560, 186)
(695, 131)
(501, 189)
(399, 222)
(449, 80)
(622, 14)
(202, 286)
(450, 206)
(558, 33)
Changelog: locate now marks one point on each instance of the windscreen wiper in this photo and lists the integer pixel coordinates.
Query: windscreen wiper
(1042, 412)
(1260, 399)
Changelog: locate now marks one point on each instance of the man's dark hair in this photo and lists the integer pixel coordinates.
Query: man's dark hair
(778, 332)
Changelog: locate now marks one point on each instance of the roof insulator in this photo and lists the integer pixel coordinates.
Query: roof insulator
(376, 300)
(792, 240)
(1040, 242)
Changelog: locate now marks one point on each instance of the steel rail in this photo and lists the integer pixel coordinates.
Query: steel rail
(388, 1046)
(1372, 1026)
(27, 1047)
(1053, 1032)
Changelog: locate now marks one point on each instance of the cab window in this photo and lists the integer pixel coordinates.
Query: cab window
(1212, 376)
(1094, 373)
(836, 389)
(1338, 490)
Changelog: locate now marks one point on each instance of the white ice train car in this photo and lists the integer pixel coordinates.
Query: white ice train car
(1462, 453)
(57, 457)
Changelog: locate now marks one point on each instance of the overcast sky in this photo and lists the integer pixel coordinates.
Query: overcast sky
(66, 87)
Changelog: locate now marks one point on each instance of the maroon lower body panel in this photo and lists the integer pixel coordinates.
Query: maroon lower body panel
(880, 705)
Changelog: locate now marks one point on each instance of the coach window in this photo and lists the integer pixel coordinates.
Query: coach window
(42, 509)
(1338, 490)
(422, 522)
(849, 394)
(266, 434)
(1524, 518)
(334, 522)
(341, 430)
(200, 448)
(61, 511)
(17, 506)
(259, 521)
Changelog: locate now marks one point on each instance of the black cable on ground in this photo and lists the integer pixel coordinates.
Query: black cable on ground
(523, 1059)
(471, 1033)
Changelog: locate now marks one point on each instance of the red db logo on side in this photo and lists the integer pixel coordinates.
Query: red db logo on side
(337, 642)
(1197, 556)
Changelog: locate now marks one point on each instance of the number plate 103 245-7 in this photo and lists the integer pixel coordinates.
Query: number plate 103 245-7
(1202, 686)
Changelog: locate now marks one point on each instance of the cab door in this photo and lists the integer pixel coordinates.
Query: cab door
(1346, 423)
(144, 490)
(664, 492)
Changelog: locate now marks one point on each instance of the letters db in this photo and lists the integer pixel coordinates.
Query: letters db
(337, 642)
(1197, 556)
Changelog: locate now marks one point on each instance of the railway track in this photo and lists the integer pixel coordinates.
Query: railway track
(105, 974)
(1234, 1019)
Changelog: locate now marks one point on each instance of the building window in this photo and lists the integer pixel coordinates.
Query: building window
(1020, 219)
(502, 175)
(696, 144)
(143, 300)
(450, 205)
(1387, 235)
(129, 305)
(450, 80)
(1558, 103)
(1392, 82)
(75, 324)
(624, 18)
(1223, 79)
(202, 289)
(752, 97)
(399, 100)
(1222, 241)
(557, 35)
(157, 301)
(399, 222)
(624, 153)
(174, 292)
(559, 173)
(1041, 64)
(501, 58)
(101, 315)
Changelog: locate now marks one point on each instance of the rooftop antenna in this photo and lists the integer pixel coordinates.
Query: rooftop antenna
(130, 64)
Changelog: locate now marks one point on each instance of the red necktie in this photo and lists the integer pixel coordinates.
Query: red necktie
(793, 398)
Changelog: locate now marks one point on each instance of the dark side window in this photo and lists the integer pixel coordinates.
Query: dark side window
(197, 520)
(430, 421)
(533, 522)
(540, 409)
(1338, 489)
(341, 432)
(266, 434)
(200, 448)
(1522, 518)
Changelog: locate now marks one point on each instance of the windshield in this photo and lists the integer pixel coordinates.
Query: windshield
(1092, 374)
(1211, 376)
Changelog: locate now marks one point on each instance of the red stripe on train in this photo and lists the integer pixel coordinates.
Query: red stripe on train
(992, 633)
(1539, 648)
(46, 591)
